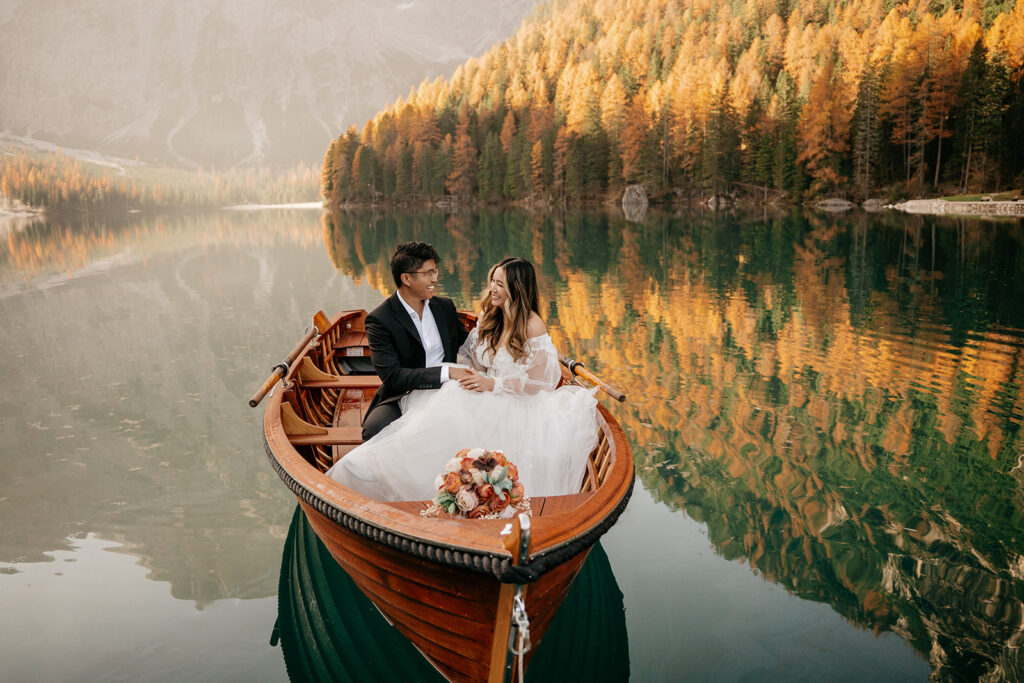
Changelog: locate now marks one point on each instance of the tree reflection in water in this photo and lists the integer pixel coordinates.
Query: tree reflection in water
(837, 399)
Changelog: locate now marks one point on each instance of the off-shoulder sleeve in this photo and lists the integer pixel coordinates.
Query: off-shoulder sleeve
(536, 373)
(467, 354)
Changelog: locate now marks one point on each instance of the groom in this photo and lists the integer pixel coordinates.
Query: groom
(411, 334)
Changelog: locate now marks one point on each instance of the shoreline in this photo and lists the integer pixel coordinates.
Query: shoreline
(933, 207)
(14, 212)
(264, 207)
(942, 207)
(13, 208)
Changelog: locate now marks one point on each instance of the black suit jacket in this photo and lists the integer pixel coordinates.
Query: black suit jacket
(397, 351)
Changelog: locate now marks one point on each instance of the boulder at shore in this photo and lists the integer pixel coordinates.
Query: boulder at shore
(634, 203)
(833, 204)
(719, 202)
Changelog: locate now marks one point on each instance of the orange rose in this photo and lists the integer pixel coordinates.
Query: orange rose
(452, 482)
(513, 471)
(499, 457)
(478, 512)
(517, 492)
(467, 463)
(462, 453)
(484, 491)
(499, 503)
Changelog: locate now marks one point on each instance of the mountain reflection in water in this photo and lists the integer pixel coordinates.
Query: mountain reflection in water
(838, 399)
(330, 631)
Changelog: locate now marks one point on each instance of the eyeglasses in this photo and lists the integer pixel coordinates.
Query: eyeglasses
(429, 273)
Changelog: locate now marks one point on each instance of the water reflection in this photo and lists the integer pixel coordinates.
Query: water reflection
(838, 399)
(42, 252)
(130, 346)
(330, 631)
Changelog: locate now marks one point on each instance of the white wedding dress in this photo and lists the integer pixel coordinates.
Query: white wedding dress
(548, 433)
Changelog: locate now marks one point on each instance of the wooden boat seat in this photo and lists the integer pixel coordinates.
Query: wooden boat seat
(344, 382)
(302, 433)
(311, 377)
(331, 436)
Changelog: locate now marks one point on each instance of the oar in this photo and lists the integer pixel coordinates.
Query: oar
(320, 325)
(578, 370)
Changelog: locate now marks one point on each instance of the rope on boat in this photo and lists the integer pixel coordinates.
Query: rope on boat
(497, 566)
(521, 621)
(519, 633)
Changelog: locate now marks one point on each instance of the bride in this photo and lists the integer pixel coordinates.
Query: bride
(506, 401)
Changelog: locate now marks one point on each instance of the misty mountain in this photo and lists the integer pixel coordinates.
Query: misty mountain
(216, 84)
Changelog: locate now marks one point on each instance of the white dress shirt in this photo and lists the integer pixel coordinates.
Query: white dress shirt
(426, 326)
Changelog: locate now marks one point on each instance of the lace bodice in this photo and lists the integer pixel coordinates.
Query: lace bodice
(537, 372)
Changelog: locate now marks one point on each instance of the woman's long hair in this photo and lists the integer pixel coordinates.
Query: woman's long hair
(521, 281)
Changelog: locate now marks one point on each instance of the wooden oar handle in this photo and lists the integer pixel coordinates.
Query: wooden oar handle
(267, 386)
(282, 368)
(578, 370)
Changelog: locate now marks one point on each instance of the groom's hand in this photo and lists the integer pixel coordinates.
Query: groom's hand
(474, 381)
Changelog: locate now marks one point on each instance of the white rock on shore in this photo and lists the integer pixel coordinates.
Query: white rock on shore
(941, 207)
(14, 208)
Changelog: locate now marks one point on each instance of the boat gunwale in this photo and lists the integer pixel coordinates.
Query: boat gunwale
(480, 545)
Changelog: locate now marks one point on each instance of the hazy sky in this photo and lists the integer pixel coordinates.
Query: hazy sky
(218, 83)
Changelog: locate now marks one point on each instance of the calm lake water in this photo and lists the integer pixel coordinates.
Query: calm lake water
(825, 414)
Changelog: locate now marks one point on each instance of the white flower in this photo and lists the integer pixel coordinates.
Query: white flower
(439, 482)
(479, 476)
(507, 513)
(453, 465)
(466, 500)
(475, 453)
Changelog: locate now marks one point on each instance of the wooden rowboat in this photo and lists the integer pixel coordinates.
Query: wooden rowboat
(464, 592)
(329, 631)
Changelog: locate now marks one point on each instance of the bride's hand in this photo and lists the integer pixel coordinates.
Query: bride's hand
(474, 381)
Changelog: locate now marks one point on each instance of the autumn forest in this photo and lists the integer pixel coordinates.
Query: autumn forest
(62, 183)
(785, 99)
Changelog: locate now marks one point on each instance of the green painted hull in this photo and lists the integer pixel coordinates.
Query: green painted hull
(330, 631)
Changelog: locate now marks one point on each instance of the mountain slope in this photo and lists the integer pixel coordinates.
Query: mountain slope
(688, 96)
(193, 82)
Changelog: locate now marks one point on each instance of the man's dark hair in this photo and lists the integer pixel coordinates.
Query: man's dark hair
(409, 256)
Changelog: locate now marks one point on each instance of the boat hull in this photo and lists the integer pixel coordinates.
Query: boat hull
(329, 631)
(454, 616)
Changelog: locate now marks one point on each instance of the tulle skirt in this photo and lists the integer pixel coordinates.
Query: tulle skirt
(547, 435)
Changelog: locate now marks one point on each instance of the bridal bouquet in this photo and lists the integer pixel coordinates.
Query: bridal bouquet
(479, 484)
